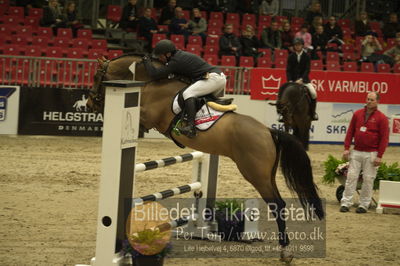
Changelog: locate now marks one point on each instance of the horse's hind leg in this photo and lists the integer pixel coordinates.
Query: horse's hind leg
(259, 168)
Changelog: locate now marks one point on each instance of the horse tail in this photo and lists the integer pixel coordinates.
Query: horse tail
(296, 168)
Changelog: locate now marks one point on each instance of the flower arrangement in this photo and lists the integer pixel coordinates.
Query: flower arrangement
(148, 246)
(336, 169)
(230, 218)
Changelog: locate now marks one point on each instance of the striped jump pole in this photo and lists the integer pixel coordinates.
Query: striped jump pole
(141, 167)
(166, 194)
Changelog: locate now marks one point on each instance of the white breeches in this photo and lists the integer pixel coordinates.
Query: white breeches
(214, 84)
(311, 89)
(360, 160)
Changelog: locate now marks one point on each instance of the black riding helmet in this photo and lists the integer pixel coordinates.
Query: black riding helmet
(298, 40)
(163, 47)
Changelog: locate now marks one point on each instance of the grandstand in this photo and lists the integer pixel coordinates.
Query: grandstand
(34, 55)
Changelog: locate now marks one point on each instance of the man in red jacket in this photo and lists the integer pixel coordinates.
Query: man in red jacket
(370, 129)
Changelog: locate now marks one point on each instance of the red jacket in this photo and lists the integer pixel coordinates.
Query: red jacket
(374, 138)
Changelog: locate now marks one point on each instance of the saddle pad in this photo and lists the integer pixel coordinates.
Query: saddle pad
(205, 117)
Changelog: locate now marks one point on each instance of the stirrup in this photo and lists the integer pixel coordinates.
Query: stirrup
(314, 117)
(189, 131)
(280, 119)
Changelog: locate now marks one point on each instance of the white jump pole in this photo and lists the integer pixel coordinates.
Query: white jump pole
(120, 133)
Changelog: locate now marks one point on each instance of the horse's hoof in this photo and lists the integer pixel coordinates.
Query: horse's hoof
(286, 256)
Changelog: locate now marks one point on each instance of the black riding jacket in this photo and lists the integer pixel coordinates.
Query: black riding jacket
(181, 63)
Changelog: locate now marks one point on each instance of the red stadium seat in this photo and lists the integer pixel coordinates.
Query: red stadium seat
(367, 67)
(214, 31)
(66, 33)
(280, 62)
(228, 60)
(114, 53)
(350, 66)
(396, 68)
(264, 20)
(113, 15)
(80, 43)
(212, 41)
(178, 40)
(194, 49)
(19, 40)
(246, 61)
(211, 59)
(14, 20)
(317, 65)
(249, 19)
(16, 11)
(36, 12)
(84, 33)
(344, 23)
(11, 49)
(54, 52)
(158, 37)
(281, 53)
(61, 42)
(232, 18)
(33, 22)
(264, 61)
(211, 50)
(384, 68)
(267, 52)
(332, 56)
(96, 53)
(347, 48)
(163, 28)
(45, 31)
(212, 23)
(349, 56)
(297, 21)
(99, 44)
(75, 53)
(41, 41)
(186, 14)
(333, 66)
(33, 50)
(216, 16)
(195, 40)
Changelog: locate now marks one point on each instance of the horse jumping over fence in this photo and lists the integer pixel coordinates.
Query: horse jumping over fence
(294, 106)
(254, 148)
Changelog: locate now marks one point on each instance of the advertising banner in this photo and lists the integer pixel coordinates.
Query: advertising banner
(9, 102)
(331, 86)
(56, 111)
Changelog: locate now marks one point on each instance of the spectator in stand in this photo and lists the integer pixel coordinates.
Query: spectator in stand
(269, 8)
(250, 43)
(315, 10)
(229, 44)
(369, 46)
(306, 36)
(71, 17)
(394, 52)
(333, 31)
(147, 26)
(53, 17)
(130, 16)
(271, 37)
(317, 21)
(319, 42)
(167, 13)
(179, 25)
(287, 36)
(369, 128)
(198, 25)
(391, 27)
(361, 25)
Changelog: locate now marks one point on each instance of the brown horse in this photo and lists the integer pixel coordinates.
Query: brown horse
(254, 148)
(293, 104)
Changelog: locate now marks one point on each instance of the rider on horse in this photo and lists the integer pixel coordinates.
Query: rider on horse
(205, 79)
(297, 70)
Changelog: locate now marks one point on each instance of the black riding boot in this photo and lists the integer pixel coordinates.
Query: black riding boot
(190, 107)
(313, 107)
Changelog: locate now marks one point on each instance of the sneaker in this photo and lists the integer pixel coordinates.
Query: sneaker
(344, 209)
(361, 210)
